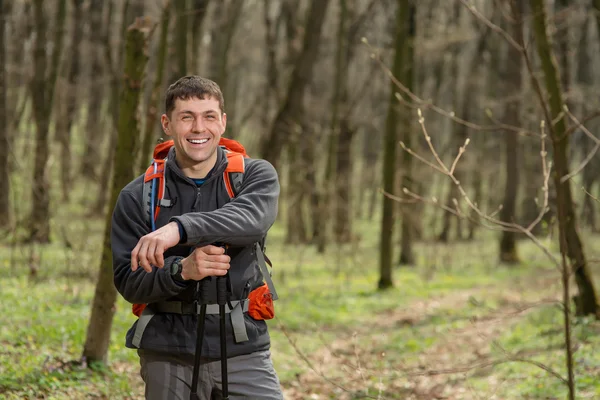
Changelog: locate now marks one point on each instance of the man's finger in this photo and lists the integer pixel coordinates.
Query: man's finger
(143, 257)
(220, 258)
(150, 253)
(134, 257)
(213, 250)
(159, 256)
(218, 265)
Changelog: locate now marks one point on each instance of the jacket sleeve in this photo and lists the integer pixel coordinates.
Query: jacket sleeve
(245, 219)
(128, 226)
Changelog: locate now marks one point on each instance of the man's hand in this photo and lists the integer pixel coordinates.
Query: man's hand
(205, 261)
(150, 248)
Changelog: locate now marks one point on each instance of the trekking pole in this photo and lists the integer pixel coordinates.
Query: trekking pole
(201, 302)
(222, 290)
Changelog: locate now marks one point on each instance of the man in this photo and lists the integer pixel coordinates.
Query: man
(161, 268)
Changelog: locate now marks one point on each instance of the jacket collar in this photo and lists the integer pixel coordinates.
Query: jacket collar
(218, 170)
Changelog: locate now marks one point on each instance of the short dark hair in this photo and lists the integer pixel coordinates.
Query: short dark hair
(193, 86)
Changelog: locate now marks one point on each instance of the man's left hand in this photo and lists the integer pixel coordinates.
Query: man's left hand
(150, 248)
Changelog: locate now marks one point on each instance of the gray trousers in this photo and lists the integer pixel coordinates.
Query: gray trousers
(169, 377)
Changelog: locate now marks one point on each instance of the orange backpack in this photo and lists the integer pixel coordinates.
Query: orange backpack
(153, 199)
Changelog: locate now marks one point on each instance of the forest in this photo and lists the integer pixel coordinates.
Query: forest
(437, 234)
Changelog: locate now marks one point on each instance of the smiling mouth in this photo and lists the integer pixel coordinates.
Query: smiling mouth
(197, 141)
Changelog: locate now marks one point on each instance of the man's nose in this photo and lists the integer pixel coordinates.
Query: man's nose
(198, 125)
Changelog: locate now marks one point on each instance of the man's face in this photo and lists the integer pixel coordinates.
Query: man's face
(196, 125)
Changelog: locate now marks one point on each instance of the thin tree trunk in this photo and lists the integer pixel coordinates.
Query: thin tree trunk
(152, 114)
(591, 173)
(407, 256)
(477, 185)
(181, 31)
(42, 87)
(390, 150)
(330, 187)
(508, 244)
(343, 181)
(98, 333)
(226, 22)
(291, 112)
(200, 9)
(296, 226)
(70, 96)
(114, 87)
(93, 137)
(587, 301)
(290, 119)
(5, 142)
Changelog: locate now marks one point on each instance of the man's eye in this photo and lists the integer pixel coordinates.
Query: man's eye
(210, 117)
(187, 118)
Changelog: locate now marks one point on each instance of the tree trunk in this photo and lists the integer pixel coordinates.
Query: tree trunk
(105, 296)
(181, 31)
(153, 105)
(70, 96)
(42, 92)
(5, 142)
(199, 15)
(330, 187)
(591, 173)
(225, 25)
(115, 67)
(390, 150)
(296, 226)
(343, 182)
(508, 245)
(93, 135)
(587, 302)
(407, 256)
(291, 112)
(477, 184)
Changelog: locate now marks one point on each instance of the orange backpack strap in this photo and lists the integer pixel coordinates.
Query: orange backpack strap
(234, 173)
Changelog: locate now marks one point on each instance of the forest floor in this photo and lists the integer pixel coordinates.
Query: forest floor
(457, 325)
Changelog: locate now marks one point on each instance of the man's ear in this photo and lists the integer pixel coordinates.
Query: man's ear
(224, 120)
(165, 122)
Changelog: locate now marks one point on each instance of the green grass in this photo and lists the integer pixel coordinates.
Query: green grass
(329, 314)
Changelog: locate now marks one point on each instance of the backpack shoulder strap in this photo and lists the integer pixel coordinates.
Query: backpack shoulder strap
(234, 173)
(154, 190)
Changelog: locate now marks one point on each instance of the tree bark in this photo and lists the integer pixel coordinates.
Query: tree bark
(586, 302)
(291, 112)
(5, 142)
(390, 151)
(42, 93)
(181, 31)
(114, 90)
(407, 256)
(93, 136)
(508, 245)
(103, 307)
(69, 94)
(330, 187)
(200, 9)
(591, 173)
(225, 25)
(153, 106)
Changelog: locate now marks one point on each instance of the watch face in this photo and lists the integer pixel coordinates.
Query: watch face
(175, 267)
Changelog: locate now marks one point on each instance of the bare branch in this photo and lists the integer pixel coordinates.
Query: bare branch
(492, 26)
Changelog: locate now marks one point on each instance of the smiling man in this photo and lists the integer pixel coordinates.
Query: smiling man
(161, 268)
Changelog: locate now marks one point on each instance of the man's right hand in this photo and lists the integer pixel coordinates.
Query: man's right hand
(205, 261)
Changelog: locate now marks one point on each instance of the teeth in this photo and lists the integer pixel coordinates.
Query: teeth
(199, 141)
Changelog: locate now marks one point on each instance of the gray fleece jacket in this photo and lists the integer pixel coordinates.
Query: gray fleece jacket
(208, 216)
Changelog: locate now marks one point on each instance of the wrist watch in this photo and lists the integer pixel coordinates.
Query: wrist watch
(176, 267)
